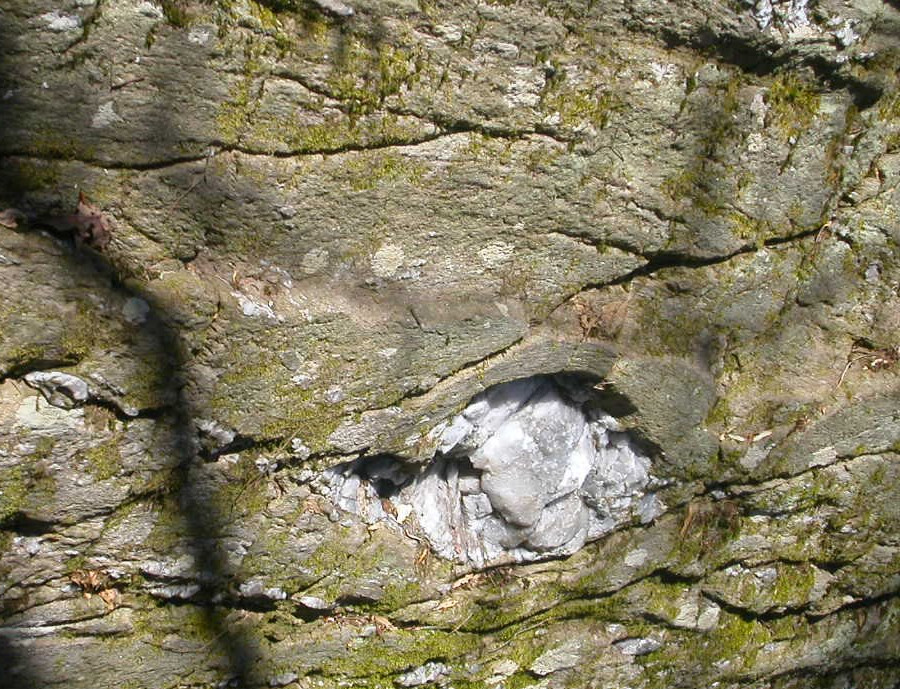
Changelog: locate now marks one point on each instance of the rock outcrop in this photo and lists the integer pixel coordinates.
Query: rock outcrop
(468, 344)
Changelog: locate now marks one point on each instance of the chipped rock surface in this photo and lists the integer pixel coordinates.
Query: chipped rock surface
(449, 344)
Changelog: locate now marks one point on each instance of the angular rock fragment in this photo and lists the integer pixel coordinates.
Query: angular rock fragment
(62, 390)
(530, 469)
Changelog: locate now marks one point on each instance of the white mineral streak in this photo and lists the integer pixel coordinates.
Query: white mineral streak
(789, 15)
(56, 21)
(496, 254)
(149, 9)
(255, 309)
(387, 260)
(762, 13)
(428, 673)
(570, 654)
(523, 473)
(199, 35)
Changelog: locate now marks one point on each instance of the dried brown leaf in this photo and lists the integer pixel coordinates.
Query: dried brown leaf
(446, 604)
(382, 624)
(110, 597)
(467, 581)
(90, 581)
(87, 223)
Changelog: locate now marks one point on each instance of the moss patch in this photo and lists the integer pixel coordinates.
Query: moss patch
(367, 76)
(259, 385)
(367, 172)
(381, 657)
(793, 104)
(13, 491)
(104, 460)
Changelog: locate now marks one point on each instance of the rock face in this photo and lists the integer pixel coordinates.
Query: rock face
(477, 343)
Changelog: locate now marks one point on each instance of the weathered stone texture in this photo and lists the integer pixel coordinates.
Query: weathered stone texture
(326, 226)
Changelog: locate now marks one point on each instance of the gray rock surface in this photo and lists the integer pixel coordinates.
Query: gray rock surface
(311, 233)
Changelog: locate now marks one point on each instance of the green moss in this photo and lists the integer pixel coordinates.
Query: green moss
(707, 182)
(147, 387)
(82, 336)
(399, 592)
(793, 584)
(719, 414)
(749, 229)
(659, 598)
(6, 541)
(739, 639)
(889, 107)
(381, 657)
(168, 528)
(104, 460)
(245, 492)
(793, 104)
(13, 491)
(75, 563)
(668, 326)
(262, 384)
(366, 77)
(706, 527)
(331, 559)
(328, 136)
(235, 113)
(694, 185)
(53, 144)
(22, 355)
(189, 622)
(578, 106)
(369, 171)
(539, 160)
(176, 13)
(43, 447)
(28, 484)
(23, 176)
(735, 640)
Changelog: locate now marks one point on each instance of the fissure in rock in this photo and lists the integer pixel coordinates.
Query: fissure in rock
(530, 469)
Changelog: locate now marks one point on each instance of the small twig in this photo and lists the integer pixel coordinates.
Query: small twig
(459, 626)
(852, 361)
(127, 82)
(847, 369)
(196, 183)
(519, 633)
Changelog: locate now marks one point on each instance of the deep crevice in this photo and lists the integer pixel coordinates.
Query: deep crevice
(23, 525)
(662, 260)
(20, 370)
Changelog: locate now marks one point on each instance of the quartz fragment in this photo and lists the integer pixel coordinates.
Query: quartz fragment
(62, 390)
(529, 469)
(426, 674)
